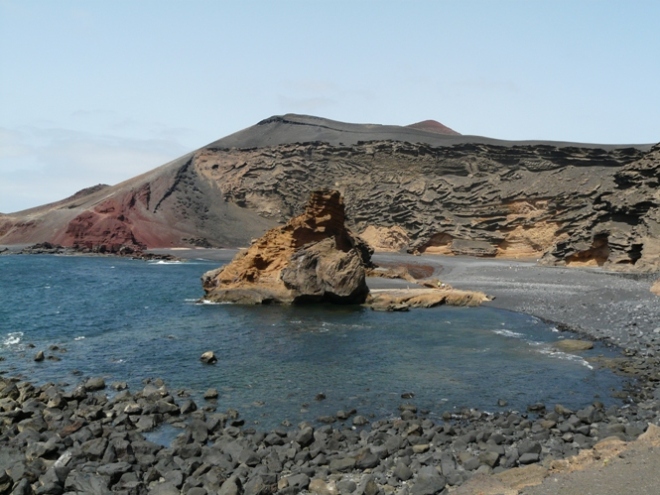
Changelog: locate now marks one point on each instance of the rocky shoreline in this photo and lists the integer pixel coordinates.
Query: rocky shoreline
(86, 440)
(91, 438)
(49, 248)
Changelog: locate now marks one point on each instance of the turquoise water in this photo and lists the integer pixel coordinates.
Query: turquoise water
(129, 320)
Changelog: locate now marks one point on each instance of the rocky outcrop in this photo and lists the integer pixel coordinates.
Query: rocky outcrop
(516, 201)
(386, 239)
(312, 258)
(404, 299)
(622, 224)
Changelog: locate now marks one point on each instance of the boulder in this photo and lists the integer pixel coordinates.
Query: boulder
(208, 358)
(94, 384)
(468, 247)
(6, 482)
(312, 258)
(428, 482)
(211, 394)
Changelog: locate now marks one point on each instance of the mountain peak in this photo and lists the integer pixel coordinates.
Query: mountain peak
(434, 126)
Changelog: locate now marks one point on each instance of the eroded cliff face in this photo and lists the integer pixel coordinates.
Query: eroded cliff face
(407, 188)
(467, 199)
(314, 257)
(622, 225)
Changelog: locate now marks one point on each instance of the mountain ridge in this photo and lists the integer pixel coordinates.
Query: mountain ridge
(447, 193)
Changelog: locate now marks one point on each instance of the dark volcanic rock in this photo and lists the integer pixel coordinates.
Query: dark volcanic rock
(104, 451)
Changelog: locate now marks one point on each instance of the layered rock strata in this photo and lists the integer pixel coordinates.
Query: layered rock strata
(482, 200)
(407, 188)
(312, 258)
(622, 223)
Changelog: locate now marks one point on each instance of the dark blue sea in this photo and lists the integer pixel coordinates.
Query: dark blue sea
(129, 320)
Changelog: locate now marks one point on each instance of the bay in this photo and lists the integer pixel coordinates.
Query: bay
(128, 320)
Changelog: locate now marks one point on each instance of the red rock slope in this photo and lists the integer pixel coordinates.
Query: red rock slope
(434, 126)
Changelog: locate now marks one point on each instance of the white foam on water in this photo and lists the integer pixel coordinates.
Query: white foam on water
(12, 338)
(163, 262)
(509, 333)
(81, 337)
(552, 352)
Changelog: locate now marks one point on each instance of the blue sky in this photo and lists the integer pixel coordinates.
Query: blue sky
(100, 91)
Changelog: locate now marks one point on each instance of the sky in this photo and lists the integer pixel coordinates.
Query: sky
(100, 91)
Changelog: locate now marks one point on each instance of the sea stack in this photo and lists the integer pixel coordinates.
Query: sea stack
(313, 258)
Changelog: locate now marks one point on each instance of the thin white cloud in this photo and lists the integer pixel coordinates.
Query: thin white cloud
(42, 165)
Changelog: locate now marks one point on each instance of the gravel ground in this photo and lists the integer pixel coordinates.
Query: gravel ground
(603, 305)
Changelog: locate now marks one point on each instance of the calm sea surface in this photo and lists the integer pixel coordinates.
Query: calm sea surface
(129, 320)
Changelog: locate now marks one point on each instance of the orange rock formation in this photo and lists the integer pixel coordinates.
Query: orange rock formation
(311, 258)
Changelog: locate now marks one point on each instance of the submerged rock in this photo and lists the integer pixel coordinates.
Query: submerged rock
(312, 258)
(572, 345)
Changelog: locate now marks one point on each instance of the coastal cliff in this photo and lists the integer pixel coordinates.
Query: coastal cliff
(408, 188)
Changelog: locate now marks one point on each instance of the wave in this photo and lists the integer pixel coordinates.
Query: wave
(164, 262)
(552, 352)
(81, 337)
(212, 303)
(509, 333)
(12, 338)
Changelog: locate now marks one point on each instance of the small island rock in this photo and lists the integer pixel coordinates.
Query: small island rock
(312, 258)
(208, 358)
(572, 345)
